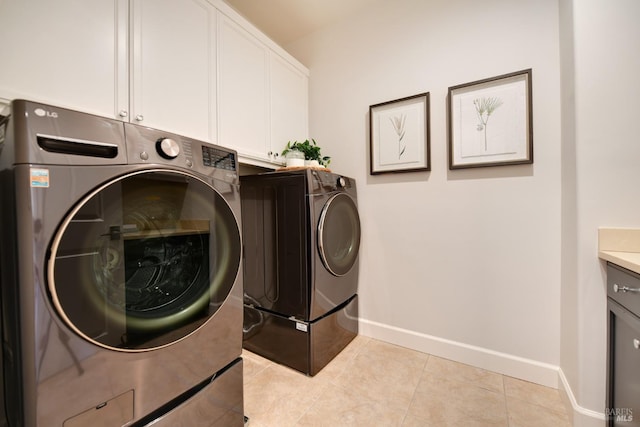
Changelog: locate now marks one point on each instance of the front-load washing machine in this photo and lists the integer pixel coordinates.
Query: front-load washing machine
(301, 244)
(121, 280)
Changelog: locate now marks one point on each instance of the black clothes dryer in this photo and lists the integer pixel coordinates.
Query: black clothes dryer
(301, 241)
(120, 268)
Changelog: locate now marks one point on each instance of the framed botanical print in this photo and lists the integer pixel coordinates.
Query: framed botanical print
(490, 122)
(399, 135)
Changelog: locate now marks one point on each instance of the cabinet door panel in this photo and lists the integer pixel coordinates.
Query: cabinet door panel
(243, 96)
(289, 103)
(64, 52)
(623, 372)
(173, 76)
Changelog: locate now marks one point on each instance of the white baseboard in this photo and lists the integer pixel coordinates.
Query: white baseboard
(503, 363)
(581, 417)
(513, 366)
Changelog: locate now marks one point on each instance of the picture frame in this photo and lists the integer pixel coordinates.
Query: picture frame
(490, 122)
(399, 137)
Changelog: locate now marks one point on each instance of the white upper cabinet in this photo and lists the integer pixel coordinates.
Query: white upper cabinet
(243, 91)
(262, 93)
(192, 67)
(146, 61)
(173, 66)
(289, 92)
(64, 52)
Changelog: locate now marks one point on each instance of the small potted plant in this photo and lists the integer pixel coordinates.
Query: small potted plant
(311, 151)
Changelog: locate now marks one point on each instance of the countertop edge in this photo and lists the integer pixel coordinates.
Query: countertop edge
(628, 260)
(620, 246)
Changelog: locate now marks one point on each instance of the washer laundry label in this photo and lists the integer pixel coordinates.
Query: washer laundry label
(301, 326)
(40, 178)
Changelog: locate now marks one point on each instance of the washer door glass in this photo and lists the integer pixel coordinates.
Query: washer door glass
(144, 260)
(339, 234)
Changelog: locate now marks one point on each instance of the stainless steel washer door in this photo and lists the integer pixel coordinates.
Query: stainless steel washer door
(339, 234)
(144, 260)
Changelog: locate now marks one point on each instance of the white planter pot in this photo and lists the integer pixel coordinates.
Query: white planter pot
(312, 163)
(292, 162)
(294, 158)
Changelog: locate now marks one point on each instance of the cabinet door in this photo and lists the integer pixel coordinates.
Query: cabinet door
(70, 53)
(243, 91)
(289, 103)
(623, 374)
(173, 72)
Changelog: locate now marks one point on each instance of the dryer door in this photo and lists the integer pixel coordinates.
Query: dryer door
(144, 260)
(339, 234)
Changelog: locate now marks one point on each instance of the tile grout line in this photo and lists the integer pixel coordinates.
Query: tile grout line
(506, 401)
(415, 391)
(330, 382)
(310, 406)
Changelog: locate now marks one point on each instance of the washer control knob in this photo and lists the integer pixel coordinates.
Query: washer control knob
(168, 148)
(342, 182)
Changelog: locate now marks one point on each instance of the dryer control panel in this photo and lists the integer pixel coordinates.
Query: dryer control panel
(329, 182)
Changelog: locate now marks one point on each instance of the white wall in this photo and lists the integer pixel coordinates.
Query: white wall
(601, 163)
(464, 264)
(495, 267)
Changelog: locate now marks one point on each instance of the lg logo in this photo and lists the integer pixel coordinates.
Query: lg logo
(44, 113)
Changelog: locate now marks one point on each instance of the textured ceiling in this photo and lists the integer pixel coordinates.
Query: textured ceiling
(287, 20)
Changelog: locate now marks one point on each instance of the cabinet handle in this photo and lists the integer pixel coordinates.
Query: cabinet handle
(617, 288)
(270, 153)
(636, 343)
(139, 117)
(123, 113)
(276, 154)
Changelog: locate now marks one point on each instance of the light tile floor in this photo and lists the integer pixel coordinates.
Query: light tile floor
(372, 383)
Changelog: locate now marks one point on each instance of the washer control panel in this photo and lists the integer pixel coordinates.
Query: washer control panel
(152, 146)
(168, 148)
(217, 158)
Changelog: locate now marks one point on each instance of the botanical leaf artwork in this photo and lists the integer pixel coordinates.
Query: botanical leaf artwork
(485, 107)
(399, 134)
(398, 126)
